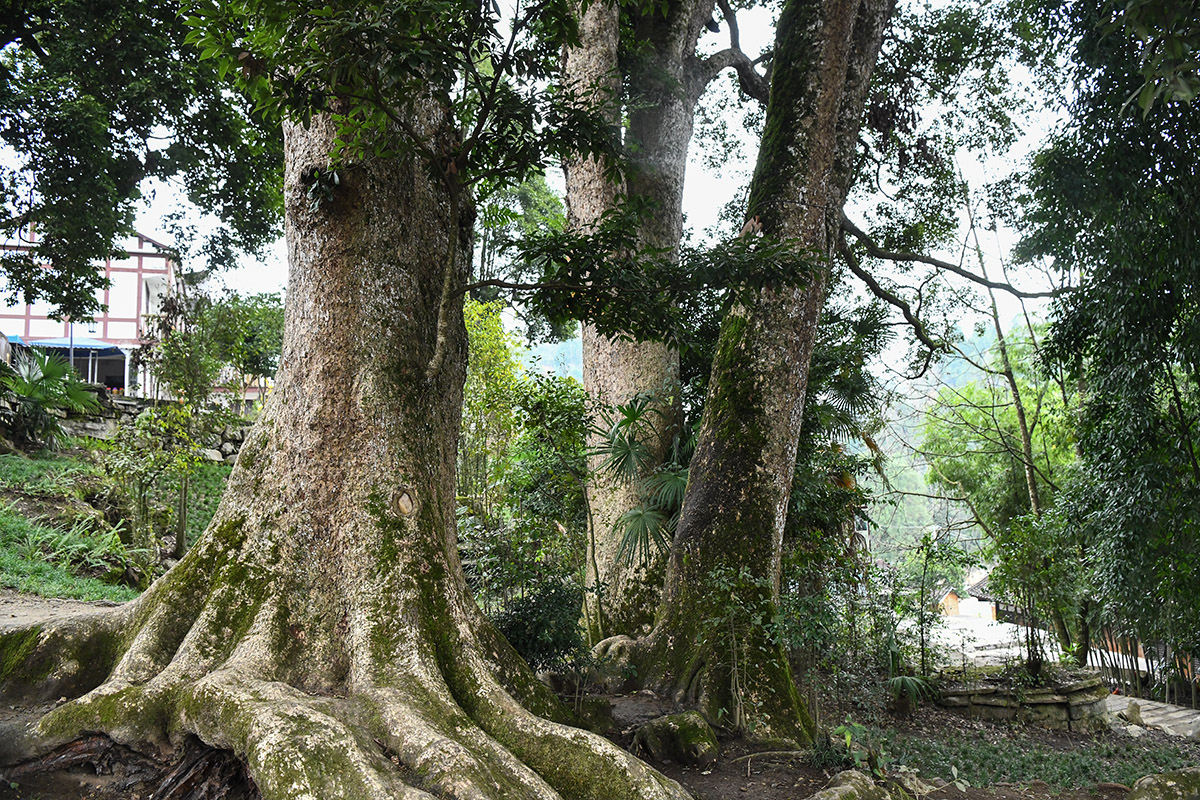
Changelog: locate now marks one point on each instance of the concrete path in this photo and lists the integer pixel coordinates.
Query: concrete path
(1175, 720)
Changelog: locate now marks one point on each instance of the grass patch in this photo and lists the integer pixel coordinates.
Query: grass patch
(28, 563)
(1015, 757)
(68, 549)
(44, 474)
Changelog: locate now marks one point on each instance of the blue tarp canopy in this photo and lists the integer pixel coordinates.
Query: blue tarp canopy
(15, 339)
(81, 344)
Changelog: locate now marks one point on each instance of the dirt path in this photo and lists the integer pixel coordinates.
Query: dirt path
(21, 610)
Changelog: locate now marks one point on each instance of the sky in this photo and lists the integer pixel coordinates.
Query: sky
(708, 190)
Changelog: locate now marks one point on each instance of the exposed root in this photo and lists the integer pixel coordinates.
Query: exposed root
(688, 679)
(101, 768)
(296, 746)
(468, 739)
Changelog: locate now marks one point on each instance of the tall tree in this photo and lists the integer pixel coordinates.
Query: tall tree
(1113, 201)
(649, 65)
(322, 629)
(87, 89)
(741, 475)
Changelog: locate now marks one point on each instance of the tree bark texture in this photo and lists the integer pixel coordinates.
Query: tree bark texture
(321, 629)
(668, 82)
(741, 475)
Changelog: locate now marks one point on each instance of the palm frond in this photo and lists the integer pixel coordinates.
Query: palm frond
(664, 488)
(642, 528)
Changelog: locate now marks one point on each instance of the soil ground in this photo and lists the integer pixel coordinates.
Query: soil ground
(98, 770)
(739, 775)
(22, 610)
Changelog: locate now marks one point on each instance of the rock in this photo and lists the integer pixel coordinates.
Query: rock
(1046, 716)
(1180, 784)
(1134, 731)
(1080, 685)
(683, 738)
(231, 460)
(1132, 714)
(213, 455)
(228, 449)
(851, 785)
(1092, 694)
(909, 782)
(92, 427)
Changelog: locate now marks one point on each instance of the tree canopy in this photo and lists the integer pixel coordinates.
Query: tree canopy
(98, 98)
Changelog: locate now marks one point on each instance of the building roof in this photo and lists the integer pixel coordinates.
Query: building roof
(80, 343)
(981, 591)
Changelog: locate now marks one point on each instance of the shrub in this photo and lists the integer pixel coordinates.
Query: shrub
(38, 384)
(543, 623)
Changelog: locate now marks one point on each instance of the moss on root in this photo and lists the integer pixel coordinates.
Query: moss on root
(15, 649)
(42, 663)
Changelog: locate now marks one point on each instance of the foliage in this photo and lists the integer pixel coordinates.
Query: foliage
(24, 565)
(38, 384)
(543, 623)
(645, 294)
(193, 342)
(510, 213)
(247, 335)
(207, 485)
(622, 434)
(1167, 38)
(521, 454)
(1111, 199)
(973, 443)
(862, 748)
(388, 59)
(980, 758)
(490, 419)
(735, 625)
(68, 551)
(97, 97)
(160, 442)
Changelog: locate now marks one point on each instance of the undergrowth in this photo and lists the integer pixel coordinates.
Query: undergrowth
(76, 550)
(55, 563)
(206, 486)
(1015, 757)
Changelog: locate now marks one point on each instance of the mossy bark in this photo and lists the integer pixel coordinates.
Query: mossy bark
(321, 628)
(741, 474)
(667, 78)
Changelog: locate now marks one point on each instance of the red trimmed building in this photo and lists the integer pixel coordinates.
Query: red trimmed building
(101, 347)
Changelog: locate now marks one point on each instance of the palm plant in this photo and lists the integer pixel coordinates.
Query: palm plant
(37, 384)
(649, 526)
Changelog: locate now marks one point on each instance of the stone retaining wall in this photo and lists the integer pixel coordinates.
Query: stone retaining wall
(118, 409)
(1076, 705)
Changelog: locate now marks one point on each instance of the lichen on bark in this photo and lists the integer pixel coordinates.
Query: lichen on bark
(740, 476)
(321, 629)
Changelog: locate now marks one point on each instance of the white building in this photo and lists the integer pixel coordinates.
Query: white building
(101, 347)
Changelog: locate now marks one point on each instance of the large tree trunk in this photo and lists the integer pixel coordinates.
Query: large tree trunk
(730, 534)
(669, 84)
(322, 629)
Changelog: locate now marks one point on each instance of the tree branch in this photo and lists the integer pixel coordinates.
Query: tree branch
(890, 298)
(878, 252)
(752, 83)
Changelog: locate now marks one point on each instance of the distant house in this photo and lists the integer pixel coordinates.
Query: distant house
(974, 602)
(100, 348)
(948, 604)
